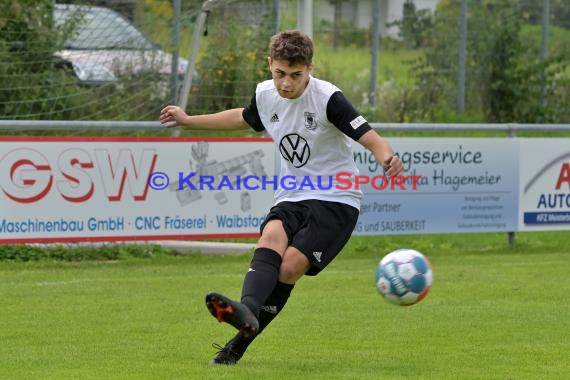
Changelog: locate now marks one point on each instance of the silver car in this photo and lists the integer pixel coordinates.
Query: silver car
(106, 46)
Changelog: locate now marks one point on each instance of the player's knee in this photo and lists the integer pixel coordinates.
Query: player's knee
(273, 237)
(289, 274)
(292, 269)
(272, 242)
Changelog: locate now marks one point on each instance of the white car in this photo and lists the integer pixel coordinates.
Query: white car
(106, 46)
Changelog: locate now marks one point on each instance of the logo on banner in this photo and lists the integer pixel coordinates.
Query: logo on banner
(552, 207)
(75, 174)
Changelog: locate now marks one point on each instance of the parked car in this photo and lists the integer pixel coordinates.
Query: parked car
(106, 46)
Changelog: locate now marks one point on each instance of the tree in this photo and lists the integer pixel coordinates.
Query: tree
(559, 12)
(414, 26)
(503, 70)
(233, 61)
(27, 57)
(337, 19)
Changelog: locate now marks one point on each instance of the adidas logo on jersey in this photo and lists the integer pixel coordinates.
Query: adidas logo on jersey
(274, 118)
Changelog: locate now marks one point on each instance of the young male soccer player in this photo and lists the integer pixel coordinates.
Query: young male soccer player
(311, 122)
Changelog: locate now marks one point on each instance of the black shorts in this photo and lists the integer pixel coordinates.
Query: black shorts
(319, 229)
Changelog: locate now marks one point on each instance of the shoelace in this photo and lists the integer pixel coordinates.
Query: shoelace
(225, 355)
(225, 350)
(219, 348)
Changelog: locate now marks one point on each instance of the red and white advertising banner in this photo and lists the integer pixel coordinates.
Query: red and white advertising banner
(72, 189)
(544, 185)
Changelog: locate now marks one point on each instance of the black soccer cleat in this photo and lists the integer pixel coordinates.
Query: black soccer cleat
(227, 355)
(236, 314)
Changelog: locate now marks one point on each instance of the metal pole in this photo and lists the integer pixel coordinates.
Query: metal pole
(512, 132)
(462, 58)
(176, 6)
(196, 38)
(187, 83)
(305, 16)
(374, 53)
(276, 16)
(544, 48)
(207, 6)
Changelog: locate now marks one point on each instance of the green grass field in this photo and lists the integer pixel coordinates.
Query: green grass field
(494, 312)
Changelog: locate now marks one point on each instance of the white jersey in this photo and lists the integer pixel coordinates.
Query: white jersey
(312, 134)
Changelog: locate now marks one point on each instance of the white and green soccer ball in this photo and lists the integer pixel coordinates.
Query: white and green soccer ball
(404, 277)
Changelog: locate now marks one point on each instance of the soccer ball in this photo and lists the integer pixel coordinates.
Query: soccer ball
(404, 277)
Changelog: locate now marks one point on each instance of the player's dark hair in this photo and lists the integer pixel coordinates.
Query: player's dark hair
(292, 46)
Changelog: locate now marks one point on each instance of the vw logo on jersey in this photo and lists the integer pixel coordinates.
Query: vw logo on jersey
(295, 149)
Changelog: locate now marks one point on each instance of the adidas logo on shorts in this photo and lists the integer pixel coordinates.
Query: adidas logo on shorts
(317, 256)
(274, 118)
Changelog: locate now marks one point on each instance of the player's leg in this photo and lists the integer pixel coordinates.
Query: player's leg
(327, 227)
(319, 239)
(236, 347)
(311, 224)
(295, 264)
(259, 282)
(263, 272)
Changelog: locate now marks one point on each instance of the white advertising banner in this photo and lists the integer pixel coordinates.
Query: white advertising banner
(452, 185)
(72, 189)
(545, 184)
(115, 188)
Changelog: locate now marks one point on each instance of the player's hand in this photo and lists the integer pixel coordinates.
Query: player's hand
(393, 166)
(172, 116)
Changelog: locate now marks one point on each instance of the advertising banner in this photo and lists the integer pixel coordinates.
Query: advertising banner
(545, 184)
(73, 189)
(116, 188)
(451, 185)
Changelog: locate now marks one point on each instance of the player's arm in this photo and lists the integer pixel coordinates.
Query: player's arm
(346, 118)
(229, 120)
(382, 151)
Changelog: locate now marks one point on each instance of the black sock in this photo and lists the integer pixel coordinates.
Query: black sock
(260, 279)
(272, 306)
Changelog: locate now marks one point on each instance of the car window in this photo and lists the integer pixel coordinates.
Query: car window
(101, 28)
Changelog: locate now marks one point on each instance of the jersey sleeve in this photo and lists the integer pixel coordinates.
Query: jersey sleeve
(251, 115)
(345, 117)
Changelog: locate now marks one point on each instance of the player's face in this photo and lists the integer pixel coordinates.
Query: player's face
(290, 81)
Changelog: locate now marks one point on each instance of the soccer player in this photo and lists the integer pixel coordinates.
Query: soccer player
(311, 122)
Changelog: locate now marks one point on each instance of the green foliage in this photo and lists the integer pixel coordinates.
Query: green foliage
(27, 63)
(234, 61)
(503, 93)
(507, 80)
(77, 253)
(559, 12)
(415, 26)
(342, 35)
(505, 75)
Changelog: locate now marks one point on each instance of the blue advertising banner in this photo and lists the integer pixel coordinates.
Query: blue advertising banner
(452, 185)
